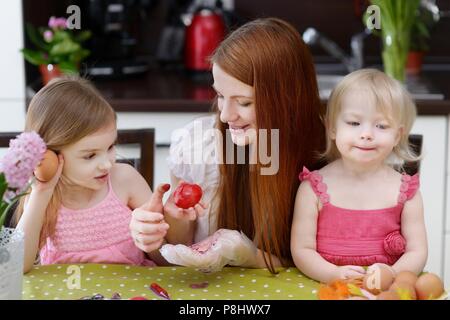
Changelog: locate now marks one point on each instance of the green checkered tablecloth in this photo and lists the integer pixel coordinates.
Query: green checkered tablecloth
(55, 282)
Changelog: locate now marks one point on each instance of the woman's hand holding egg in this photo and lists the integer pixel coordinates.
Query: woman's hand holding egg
(190, 213)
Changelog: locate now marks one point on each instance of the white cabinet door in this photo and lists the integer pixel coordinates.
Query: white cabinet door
(447, 262)
(447, 228)
(433, 184)
(163, 122)
(12, 115)
(12, 77)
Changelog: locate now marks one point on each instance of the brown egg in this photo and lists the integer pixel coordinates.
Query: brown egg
(406, 276)
(429, 286)
(404, 290)
(388, 295)
(48, 166)
(378, 280)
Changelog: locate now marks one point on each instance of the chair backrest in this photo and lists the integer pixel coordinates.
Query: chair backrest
(145, 138)
(415, 142)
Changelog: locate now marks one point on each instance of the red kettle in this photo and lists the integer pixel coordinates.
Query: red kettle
(203, 35)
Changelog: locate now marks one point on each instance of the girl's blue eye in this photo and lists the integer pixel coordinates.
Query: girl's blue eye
(353, 123)
(382, 126)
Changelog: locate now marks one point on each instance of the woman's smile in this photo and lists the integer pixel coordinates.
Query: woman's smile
(238, 129)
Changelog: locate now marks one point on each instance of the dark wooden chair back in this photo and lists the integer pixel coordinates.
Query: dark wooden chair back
(145, 138)
(415, 142)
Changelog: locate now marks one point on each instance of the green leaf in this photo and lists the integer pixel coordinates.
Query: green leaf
(79, 55)
(422, 29)
(34, 57)
(68, 67)
(3, 186)
(83, 36)
(64, 47)
(61, 35)
(36, 37)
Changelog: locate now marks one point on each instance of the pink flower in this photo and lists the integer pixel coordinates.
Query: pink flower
(52, 22)
(56, 23)
(24, 154)
(48, 36)
(394, 244)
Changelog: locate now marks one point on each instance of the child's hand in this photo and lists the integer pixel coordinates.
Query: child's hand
(350, 272)
(147, 224)
(49, 186)
(190, 214)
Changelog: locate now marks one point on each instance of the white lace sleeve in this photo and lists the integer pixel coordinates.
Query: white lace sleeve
(191, 155)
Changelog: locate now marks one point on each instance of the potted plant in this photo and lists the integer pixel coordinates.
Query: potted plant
(58, 49)
(16, 170)
(420, 35)
(397, 19)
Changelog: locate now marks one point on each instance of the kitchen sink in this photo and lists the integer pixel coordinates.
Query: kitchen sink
(326, 83)
(419, 87)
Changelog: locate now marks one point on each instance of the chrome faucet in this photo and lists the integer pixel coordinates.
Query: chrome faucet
(354, 62)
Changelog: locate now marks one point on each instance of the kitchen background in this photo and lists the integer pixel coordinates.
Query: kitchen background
(137, 64)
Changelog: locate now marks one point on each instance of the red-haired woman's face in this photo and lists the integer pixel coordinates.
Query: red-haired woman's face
(236, 104)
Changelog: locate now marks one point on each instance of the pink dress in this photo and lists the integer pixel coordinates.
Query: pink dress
(99, 234)
(360, 237)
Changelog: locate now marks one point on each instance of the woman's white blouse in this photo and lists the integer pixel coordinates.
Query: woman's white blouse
(192, 159)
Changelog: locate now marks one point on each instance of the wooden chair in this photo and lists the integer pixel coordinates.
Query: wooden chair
(415, 141)
(145, 138)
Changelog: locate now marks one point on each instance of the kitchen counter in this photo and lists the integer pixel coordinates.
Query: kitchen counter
(177, 91)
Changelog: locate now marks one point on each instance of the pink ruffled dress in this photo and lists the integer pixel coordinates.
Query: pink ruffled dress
(99, 234)
(360, 237)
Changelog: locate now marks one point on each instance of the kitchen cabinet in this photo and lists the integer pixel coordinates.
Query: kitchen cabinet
(12, 114)
(447, 260)
(433, 184)
(446, 249)
(163, 122)
(12, 76)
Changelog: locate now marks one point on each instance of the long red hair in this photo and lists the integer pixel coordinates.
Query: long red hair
(269, 55)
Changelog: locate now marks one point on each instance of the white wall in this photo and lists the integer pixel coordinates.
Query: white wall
(433, 185)
(12, 77)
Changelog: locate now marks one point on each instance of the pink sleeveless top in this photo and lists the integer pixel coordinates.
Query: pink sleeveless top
(99, 234)
(360, 237)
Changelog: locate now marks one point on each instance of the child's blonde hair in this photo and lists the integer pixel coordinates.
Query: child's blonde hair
(389, 96)
(63, 112)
